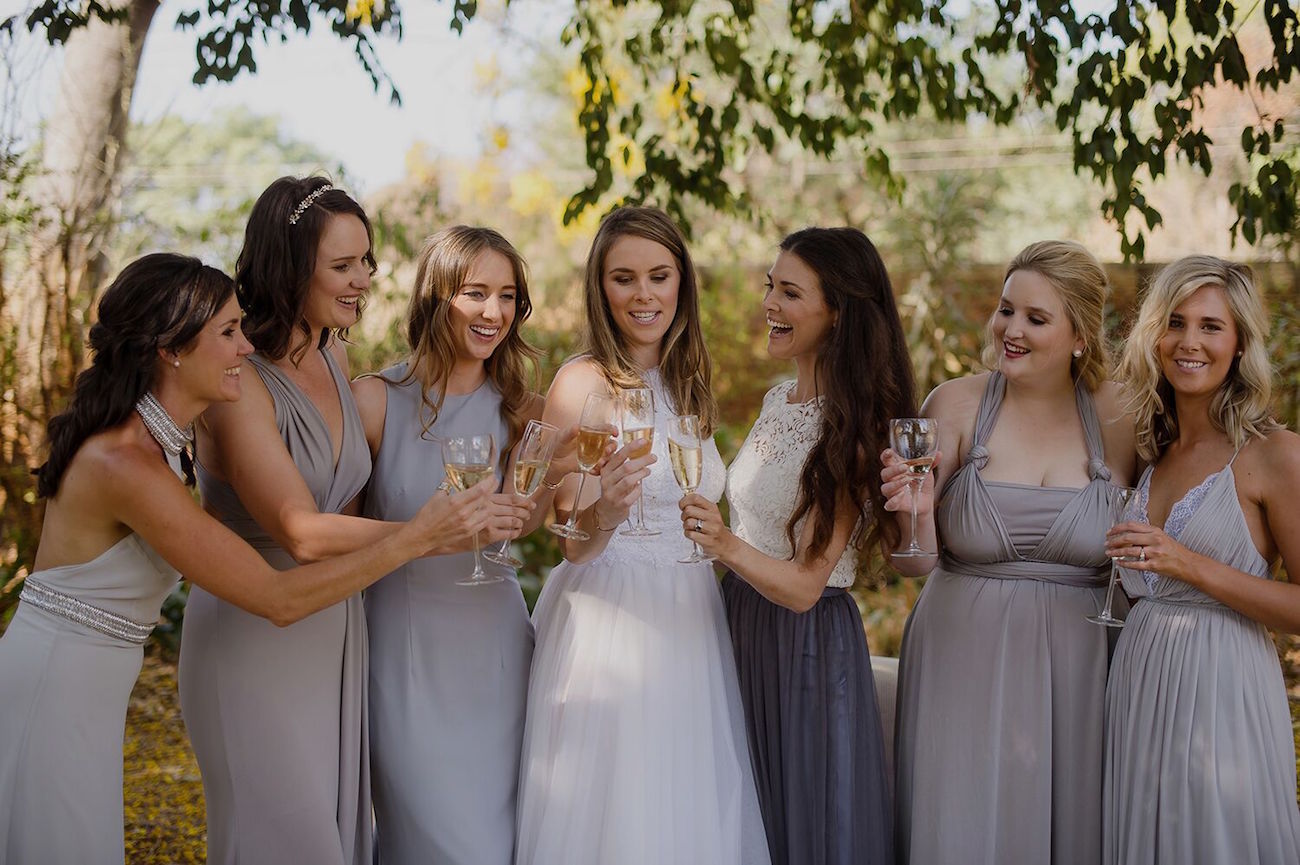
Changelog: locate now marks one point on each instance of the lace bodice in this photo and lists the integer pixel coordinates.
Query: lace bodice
(1179, 515)
(763, 481)
(661, 494)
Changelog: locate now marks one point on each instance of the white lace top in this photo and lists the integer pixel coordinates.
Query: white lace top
(661, 494)
(763, 481)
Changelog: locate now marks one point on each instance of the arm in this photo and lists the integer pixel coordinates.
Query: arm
(1267, 482)
(605, 504)
(139, 489)
(796, 583)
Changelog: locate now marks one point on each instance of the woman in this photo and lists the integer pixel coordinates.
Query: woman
(633, 749)
(1001, 679)
(119, 524)
(448, 663)
(1200, 761)
(803, 507)
(277, 716)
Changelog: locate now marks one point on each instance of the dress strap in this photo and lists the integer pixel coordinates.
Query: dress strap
(1097, 468)
(990, 404)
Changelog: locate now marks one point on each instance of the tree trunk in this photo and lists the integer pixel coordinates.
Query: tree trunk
(45, 314)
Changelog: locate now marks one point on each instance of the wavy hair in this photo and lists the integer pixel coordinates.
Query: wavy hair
(158, 302)
(1083, 286)
(864, 377)
(276, 263)
(444, 263)
(1240, 407)
(684, 362)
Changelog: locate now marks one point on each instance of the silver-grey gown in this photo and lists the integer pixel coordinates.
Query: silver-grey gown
(277, 716)
(1200, 761)
(448, 663)
(1002, 681)
(65, 678)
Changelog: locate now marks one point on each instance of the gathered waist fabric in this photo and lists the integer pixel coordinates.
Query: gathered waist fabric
(1047, 572)
(87, 615)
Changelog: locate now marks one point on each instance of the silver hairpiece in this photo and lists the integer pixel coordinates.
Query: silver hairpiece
(307, 202)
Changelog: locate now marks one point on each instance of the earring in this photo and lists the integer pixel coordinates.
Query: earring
(1078, 352)
(176, 363)
(1238, 354)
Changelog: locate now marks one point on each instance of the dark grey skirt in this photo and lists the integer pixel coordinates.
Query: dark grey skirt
(814, 728)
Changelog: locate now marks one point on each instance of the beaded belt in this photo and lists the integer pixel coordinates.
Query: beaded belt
(42, 596)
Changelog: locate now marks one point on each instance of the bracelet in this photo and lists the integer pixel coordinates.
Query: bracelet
(555, 486)
(595, 521)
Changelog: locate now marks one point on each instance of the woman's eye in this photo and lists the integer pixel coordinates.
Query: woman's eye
(1004, 311)
(1034, 320)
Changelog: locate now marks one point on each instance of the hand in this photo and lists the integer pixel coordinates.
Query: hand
(620, 482)
(564, 459)
(897, 488)
(702, 523)
(507, 514)
(1143, 547)
(448, 522)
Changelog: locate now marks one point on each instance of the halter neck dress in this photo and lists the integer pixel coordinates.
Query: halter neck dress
(68, 662)
(1002, 680)
(448, 663)
(1200, 760)
(634, 743)
(277, 716)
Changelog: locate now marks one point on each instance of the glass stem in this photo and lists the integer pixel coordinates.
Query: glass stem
(916, 491)
(478, 564)
(1110, 592)
(573, 514)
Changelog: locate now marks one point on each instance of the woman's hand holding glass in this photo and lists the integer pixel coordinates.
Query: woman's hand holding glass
(703, 526)
(1144, 547)
(470, 460)
(532, 461)
(621, 474)
(898, 485)
(915, 440)
(597, 427)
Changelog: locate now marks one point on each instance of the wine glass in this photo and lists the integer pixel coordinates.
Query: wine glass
(916, 441)
(599, 424)
(686, 456)
(532, 459)
(638, 427)
(1117, 506)
(468, 460)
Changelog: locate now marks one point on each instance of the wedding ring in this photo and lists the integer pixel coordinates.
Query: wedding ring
(699, 526)
(1142, 554)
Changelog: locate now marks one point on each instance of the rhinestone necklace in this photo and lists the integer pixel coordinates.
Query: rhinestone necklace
(161, 426)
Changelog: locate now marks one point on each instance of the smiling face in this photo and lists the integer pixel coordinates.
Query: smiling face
(482, 310)
(342, 274)
(1199, 344)
(1032, 330)
(798, 318)
(640, 280)
(210, 367)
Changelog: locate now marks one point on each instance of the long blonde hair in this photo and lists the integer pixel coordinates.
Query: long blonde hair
(444, 263)
(1082, 285)
(1240, 408)
(684, 363)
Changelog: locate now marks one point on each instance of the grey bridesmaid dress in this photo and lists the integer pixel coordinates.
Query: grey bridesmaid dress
(277, 716)
(1002, 681)
(68, 661)
(448, 664)
(1200, 761)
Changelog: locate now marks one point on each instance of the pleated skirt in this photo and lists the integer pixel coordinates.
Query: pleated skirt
(814, 728)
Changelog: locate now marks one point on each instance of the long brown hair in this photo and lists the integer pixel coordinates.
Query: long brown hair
(444, 263)
(864, 369)
(684, 362)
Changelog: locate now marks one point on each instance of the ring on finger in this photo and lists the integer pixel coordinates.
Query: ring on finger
(699, 526)
(1142, 554)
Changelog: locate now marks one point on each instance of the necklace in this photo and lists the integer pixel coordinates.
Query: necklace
(171, 437)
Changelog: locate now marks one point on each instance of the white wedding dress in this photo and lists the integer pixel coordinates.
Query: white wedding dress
(634, 744)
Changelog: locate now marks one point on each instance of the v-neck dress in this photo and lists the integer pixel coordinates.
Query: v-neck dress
(1200, 760)
(277, 716)
(1001, 679)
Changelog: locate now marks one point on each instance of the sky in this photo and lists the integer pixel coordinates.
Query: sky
(322, 95)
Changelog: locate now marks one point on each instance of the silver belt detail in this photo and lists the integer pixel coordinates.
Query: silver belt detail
(53, 601)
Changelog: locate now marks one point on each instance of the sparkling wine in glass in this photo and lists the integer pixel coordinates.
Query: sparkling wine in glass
(639, 429)
(1117, 506)
(597, 426)
(469, 460)
(686, 456)
(916, 441)
(532, 459)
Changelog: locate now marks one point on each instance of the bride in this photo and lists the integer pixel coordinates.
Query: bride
(634, 746)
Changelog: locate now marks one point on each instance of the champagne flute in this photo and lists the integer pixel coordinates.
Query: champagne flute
(638, 427)
(1117, 506)
(599, 424)
(686, 456)
(916, 441)
(532, 459)
(469, 460)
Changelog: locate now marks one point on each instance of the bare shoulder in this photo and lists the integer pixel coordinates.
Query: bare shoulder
(576, 379)
(956, 400)
(1110, 399)
(371, 394)
(1275, 457)
(253, 406)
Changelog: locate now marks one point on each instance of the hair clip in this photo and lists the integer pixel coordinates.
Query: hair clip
(307, 202)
